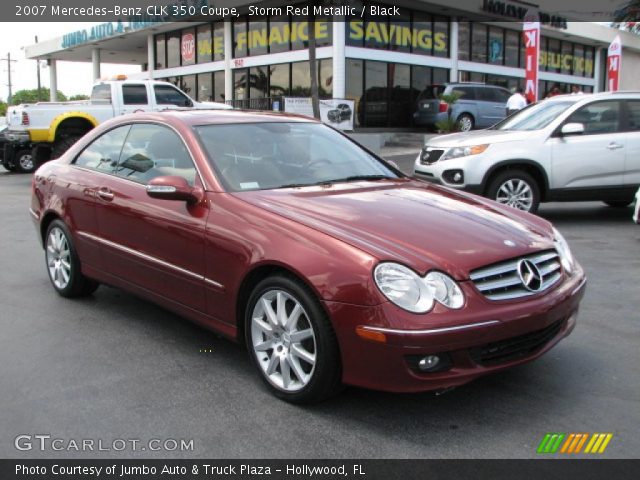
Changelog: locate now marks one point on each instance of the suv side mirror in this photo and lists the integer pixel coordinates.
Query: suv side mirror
(572, 129)
(172, 187)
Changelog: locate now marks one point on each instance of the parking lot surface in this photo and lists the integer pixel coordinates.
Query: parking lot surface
(113, 366)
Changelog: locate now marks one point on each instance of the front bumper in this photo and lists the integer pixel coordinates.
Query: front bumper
(460, 335)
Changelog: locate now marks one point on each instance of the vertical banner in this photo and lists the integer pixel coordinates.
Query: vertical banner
(531, 33)
(614, 61)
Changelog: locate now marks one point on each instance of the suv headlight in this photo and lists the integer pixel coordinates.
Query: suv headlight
(562, 247)
(458, 152)
(410, 291)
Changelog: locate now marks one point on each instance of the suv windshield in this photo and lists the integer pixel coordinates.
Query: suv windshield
(262, 156)
(535, 116)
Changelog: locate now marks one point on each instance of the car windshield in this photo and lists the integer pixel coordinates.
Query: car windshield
(263, 156)
(534, 117)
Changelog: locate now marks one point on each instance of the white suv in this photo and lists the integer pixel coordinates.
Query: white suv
(566, 148)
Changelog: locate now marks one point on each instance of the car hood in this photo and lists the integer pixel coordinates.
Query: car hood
(478, 137)
(420, 225)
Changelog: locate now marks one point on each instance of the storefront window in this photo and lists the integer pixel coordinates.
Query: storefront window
(240, 84)
(479, 43)
(496, 46)
(205, 89)
(399, 25)
(279, 80)
(374, 100)
(188, 45)
(218, 41)
(553, 55)
(578, 60)
(440, 75)
(161, 52)
(279, 36)
(440, 37)
(239, 39)
(218, 86)
(464, 32)
(566, 64)
(423, 38)
(188, 85)
(173, 49)
(258, 38)
(258, 82)
(325, 80)
(511, 48)
(354, 76)
(204, 44)
(300, 80)
(588, 61)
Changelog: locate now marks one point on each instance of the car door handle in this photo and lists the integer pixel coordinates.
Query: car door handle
(105, 194)
(614, 146)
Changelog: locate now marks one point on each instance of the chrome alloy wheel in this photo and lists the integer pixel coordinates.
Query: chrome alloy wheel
(283, 340)
(26, 162)
(465, 124)
(516, 193)
(58, 258)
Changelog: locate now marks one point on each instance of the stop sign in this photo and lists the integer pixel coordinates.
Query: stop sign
(188, 47)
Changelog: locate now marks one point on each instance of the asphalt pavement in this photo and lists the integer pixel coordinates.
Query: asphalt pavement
(113, 366)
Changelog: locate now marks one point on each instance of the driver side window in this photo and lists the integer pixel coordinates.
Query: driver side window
(166, 95)
(152, 151)
(598, 117)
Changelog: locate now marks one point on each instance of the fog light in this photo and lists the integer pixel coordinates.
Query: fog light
(453, 176)
(457, 177)
(428, 363)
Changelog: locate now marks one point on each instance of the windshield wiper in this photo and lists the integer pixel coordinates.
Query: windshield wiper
(351, 178)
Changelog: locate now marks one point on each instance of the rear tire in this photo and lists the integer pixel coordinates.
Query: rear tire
(291, 341)
(619, 203)
(515, 188)
(465, 123)
(63, 144)
(23, 161)
(63, 264)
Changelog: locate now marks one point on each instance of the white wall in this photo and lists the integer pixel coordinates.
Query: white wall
(630, 73)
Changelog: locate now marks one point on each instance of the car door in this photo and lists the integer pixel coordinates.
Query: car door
(632, 153)
(87, 173)
(595, 158)
(134, 98)
(153, 243)
(489, 109)
(466, 102)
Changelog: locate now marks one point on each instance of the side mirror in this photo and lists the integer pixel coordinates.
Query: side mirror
(572, 129)
(172, 187)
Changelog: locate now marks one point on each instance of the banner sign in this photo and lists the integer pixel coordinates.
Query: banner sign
(614, 61)
(531, 32)
(336, 112)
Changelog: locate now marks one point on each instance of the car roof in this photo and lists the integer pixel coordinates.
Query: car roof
(193, 117)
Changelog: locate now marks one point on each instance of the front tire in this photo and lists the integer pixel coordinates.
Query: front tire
(23, 161)
(517, 189)
(291, 341)
(465, 123)
(63, 264)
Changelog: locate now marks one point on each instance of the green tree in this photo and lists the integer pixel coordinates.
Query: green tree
(3, 108)
(31, 96)
(74, 98)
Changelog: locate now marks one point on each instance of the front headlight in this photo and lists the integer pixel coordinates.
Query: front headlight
(562, 247)
(458, 152)
(414, 293)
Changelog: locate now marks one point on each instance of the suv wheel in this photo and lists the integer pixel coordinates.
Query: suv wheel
(515, 188)
(465, 122)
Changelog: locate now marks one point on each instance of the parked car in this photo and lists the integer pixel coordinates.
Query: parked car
(53, 127)
(340, 113)
(307, 248)
(566, 148)
(18, 159)
(636, 211)
(479, 105)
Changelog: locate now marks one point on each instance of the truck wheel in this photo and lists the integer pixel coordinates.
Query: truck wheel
(515, 188)
(24, 161)
(62, 145)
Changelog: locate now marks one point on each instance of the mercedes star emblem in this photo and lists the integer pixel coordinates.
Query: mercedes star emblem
(529, 275)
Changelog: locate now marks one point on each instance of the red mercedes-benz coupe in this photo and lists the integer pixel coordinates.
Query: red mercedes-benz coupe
(329, 263)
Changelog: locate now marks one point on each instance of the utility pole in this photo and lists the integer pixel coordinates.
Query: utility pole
(38, 71)
(9, 62)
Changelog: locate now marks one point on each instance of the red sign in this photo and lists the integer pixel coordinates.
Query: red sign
(614, 61)
(531, 33)
(188, 47)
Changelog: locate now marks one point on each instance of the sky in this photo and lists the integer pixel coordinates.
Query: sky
(73, 77)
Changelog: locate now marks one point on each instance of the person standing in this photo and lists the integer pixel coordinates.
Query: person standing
(575, 90)
(516, 102)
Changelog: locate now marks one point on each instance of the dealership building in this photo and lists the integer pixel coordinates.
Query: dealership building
(382, 63)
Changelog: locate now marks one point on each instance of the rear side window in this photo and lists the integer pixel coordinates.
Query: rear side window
(633, 120)
(598, 117)
(465, 93)
(101, 93)
(152, 151)
(103, 153)
(166, 95)
(432, 92)
(134, 95)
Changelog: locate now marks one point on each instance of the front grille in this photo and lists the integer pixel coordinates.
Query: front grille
(429, 156)
(516, 347)
(502, 281)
